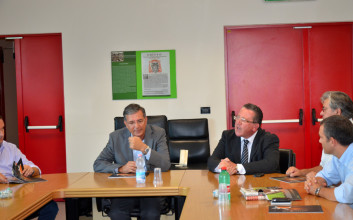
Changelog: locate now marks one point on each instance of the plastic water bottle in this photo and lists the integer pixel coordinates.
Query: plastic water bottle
(140, 171)
(224, 186)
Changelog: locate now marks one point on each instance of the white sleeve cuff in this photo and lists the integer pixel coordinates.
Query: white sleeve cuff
(241, 169)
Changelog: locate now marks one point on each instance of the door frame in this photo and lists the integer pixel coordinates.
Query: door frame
(18, 63)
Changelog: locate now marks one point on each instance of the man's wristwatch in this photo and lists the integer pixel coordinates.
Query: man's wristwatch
(147, 149)
(317, 191)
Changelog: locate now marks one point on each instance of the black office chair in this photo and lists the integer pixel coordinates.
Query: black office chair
(191, 135)
(167, 203)
(286, 159)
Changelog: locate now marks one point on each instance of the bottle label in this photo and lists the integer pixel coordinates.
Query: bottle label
(140, 177)
(228, 191)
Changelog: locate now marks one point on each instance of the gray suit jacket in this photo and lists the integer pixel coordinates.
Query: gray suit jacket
(117, 152)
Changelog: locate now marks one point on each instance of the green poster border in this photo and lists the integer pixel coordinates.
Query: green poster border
(173, 90)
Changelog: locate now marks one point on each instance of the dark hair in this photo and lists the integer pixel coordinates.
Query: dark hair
(339, 100)
(338, 127)
(258, 112)
(132, 109)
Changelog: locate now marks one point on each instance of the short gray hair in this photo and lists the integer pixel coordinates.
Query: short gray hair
(132, 109)
(339, 100)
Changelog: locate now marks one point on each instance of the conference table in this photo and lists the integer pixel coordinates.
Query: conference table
(196, 186)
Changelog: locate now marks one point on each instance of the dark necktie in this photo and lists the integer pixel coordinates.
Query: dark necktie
(244, 155)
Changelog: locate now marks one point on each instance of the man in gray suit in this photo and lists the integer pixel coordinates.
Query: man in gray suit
(119, 156)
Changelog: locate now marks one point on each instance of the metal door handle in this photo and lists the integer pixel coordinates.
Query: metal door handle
(59, 126)
(233, 119)
(300, 120)
(313, 115)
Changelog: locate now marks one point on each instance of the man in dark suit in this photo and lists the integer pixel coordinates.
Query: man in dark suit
(246, 149)
(120, 154)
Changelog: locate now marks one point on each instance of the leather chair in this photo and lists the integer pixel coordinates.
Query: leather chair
(286, 159)
(191, 135)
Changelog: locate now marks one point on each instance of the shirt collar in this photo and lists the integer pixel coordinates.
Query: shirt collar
(250, 139)
(347, 153)
(142, 140)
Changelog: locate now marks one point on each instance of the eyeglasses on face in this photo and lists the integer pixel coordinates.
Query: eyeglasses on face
(243, 120)
(324, 109)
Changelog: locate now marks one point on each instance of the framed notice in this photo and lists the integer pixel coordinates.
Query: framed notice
(143, 74)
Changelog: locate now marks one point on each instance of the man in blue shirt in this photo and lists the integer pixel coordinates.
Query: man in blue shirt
(336, 137)
(333, 103)
(10, 153)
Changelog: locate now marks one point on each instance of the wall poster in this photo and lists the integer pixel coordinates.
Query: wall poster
(143, 74)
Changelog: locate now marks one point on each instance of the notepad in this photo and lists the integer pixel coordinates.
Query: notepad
(125, 175)
(296, 209)
(288, 179)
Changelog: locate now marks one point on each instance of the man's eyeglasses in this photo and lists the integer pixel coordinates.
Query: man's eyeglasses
(243, 120)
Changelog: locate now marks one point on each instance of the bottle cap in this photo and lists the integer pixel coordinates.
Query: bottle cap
(224, 168)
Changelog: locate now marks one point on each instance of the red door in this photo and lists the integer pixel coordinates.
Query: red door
(41, 100)
(330, 55)
(282, 70)
(262, 67)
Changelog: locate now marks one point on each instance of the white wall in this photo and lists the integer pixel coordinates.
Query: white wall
(92, 29)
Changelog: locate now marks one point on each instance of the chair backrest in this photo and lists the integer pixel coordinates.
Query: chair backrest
(192, 135)
(158, 120)
(286, 159)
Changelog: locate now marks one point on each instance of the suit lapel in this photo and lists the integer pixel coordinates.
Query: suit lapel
(235, 148)
(255, 145)
(148, 136)
(129, 151)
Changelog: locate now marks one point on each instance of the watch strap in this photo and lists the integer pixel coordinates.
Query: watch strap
(317, 191)
(146, 150)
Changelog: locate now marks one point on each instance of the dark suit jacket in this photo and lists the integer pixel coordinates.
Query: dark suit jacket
(117, 152)
(264, 156)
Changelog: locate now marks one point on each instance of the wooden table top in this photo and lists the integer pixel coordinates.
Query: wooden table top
(99, 185)
(196, 185)
(29, 197)
(200, 203)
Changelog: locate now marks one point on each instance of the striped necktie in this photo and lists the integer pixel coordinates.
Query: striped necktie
(244, 155)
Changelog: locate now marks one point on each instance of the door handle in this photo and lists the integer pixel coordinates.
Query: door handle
(299, 120)
(59, 126)
(233, 119)
(313, 115)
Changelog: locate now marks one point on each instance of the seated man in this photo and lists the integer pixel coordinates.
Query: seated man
(246, 149)
(333, 103)
(10, 153)
(336, 137)
(120, 154)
